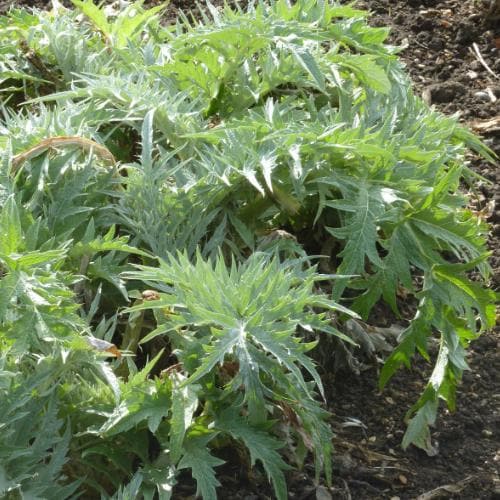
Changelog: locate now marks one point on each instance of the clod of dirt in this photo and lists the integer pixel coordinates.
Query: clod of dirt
(445, 91)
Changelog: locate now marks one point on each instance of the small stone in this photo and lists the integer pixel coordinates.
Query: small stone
(322, 493)
(472, 74)
(372, 439)
(486, 433)
(403, 479)
(484, 96)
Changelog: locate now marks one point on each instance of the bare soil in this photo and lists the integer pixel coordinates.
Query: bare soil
(369, 462)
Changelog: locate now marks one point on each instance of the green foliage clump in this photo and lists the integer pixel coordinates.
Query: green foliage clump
(184, 209)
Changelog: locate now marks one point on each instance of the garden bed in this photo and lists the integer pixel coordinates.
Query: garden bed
(446, 41)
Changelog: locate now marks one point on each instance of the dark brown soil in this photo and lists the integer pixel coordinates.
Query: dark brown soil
(369, 462)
